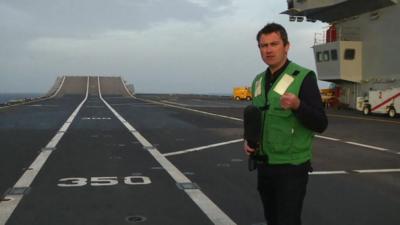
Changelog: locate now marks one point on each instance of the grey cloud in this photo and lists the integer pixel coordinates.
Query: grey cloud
(84, 17)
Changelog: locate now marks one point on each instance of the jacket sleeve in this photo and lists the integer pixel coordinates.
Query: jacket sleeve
(311, 112)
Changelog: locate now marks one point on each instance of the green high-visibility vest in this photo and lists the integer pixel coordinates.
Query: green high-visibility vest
(284, 139)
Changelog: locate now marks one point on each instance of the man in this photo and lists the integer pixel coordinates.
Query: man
(292, 110)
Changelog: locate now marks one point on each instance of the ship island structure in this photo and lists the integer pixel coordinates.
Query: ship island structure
(358, 52)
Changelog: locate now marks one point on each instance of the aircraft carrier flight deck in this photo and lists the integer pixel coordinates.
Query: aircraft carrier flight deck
(94, 154)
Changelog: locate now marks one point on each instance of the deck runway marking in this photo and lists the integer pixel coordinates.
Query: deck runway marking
(328, 172)
(96, 118)
(202, 147)
(55, 140)
(126, 88)
(359, 144)
(359, 118)
(368, 146)
(169, 102)
(327, 138)
(352, 172)
(65, 127)
(378, 171)
(8, 207)
(213, 212)
(189, 109)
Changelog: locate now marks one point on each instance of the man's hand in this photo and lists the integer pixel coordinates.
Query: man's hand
(247, 149)
(290, 101)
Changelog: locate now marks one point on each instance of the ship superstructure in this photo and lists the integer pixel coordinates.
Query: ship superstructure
(359, 50)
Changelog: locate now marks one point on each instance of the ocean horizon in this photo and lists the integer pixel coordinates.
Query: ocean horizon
(5, 97)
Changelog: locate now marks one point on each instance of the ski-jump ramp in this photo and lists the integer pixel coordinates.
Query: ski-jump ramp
(76, 85)
(114, 86)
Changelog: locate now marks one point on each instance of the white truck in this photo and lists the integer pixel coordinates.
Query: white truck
(380, 101)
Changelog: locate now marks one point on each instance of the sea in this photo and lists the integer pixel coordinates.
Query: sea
(5, 97)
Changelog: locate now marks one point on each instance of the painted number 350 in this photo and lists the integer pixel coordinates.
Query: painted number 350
(102, 181)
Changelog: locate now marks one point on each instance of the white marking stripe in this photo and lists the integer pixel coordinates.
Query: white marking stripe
(29, 175)
(65, 126)
(209, 208)
(126, 89)
(333, 172)
(215, 214)
(55, 140)
(59, 88)
(189, 109)
(202, 148)
(378, 171)
(367, 146)
(175, 103)
(363, 118)
(328, 138)
(8, 207)
(328, 172)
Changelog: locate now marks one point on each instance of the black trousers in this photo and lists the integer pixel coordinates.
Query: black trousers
(282, 189)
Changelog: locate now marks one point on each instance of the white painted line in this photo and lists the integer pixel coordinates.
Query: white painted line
(363, 118)
(327, 138)
(202, 147)
(348, 172)
(367, 146)
(175, 103)
(59, 88)
(214, 213)
(65, 126)
(8, 207)
(94, 106)
(208, 207)
(126, 89)
(328, 172)
(189, 109)
(30, 174)
(54, 141)
(130, 128)
(378, 171)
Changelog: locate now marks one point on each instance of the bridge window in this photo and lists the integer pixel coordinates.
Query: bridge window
(326, 56)
(334, 55)
(349, 53)
(319, 56)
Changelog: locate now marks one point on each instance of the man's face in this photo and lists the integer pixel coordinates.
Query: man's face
(273, 51)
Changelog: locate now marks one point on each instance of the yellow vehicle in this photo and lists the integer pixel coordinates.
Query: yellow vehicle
(242, 93)
(330, 97)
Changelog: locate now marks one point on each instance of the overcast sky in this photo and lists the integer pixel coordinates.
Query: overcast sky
(161, 46)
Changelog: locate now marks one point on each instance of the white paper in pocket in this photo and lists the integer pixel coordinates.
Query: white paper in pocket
(283, 84)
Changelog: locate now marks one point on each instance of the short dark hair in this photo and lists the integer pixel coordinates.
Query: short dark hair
(271, 28)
